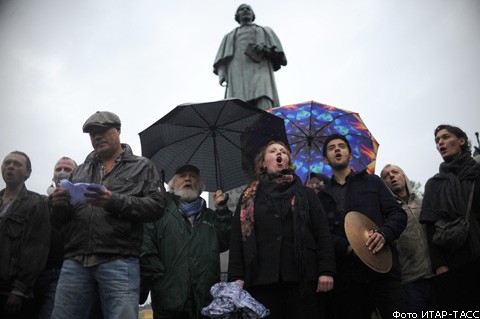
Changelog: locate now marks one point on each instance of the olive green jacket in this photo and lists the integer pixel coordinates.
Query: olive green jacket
(180, 262)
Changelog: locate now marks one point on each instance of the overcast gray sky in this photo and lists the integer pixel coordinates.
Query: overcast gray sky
(404, 66)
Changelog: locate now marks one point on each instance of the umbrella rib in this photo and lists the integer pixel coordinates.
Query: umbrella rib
(218, 175)
(187, 137)
(330, 122)
(231, 142)
(198, 146)
(204, 119)
(297, 135)
(216, 120)
(294, 123)
(236, 120)
(223, 126)
(301, 147)
(318, 148)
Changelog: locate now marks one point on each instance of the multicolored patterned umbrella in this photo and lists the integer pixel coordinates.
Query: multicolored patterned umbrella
(308, 124)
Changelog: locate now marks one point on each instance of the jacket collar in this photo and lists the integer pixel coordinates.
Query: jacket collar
(126, 155)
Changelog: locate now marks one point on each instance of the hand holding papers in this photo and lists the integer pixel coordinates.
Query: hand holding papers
(79, 190)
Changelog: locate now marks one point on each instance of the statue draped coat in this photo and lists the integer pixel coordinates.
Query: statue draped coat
(248, 78)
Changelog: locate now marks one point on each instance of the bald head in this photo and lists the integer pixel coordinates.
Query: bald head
(394, 177)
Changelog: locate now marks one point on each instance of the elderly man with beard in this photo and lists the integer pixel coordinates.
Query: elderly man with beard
(181, 251)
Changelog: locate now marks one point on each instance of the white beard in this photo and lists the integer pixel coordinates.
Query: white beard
(187, 195)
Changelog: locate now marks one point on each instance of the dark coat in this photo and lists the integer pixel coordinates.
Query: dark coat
(466, 170)
(181, 262)
(274, 256)
(368, 195)
(137, 197)
(24, 242)
(446, 197)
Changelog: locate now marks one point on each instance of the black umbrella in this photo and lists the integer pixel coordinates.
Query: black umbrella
(221, 138)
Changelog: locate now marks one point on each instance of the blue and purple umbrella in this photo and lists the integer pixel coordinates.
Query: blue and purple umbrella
(308, 124)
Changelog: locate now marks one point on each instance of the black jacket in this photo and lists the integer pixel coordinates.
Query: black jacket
(24, 242)
(368, 195)
(447, 193)
(274, 258)
(137, 197)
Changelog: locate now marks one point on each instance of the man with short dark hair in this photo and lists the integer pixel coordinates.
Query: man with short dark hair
(101, 215)
(181, 251)
(24, 237)
(358, 288)
(451, 195)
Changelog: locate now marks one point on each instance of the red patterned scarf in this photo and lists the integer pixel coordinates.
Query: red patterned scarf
(248, 199)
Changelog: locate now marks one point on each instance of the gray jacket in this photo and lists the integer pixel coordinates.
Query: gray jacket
(137, 197)
(412, 245)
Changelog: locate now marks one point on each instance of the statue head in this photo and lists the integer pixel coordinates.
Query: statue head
(244, 14)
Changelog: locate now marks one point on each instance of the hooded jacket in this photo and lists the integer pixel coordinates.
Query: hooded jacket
(412, 244)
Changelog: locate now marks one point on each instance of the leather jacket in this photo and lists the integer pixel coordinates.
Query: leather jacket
(137, 197)
(24, 242)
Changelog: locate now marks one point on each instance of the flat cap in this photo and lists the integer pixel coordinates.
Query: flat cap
(101, 119)
(187, 168)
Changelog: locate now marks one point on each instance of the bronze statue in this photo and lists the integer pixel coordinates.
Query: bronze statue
(246, 60)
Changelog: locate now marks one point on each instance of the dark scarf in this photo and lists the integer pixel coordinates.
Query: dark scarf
(277, 185)
(446, 193)
(281, 192)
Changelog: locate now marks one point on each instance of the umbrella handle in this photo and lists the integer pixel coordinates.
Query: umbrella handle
(162, 176)
(225, 200)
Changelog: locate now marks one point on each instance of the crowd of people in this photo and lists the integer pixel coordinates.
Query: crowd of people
(107, 235)
(99, 252)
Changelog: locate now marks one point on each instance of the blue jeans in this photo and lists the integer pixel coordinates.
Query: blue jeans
(117, 283)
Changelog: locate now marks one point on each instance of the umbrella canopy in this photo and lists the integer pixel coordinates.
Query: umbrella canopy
(221, 138)
(308, 124)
